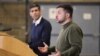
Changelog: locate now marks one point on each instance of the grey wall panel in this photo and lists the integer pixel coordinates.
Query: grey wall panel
(88, 26)
(90, 46)
(45, 12)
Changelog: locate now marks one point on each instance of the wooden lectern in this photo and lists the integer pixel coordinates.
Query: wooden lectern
(10, 46)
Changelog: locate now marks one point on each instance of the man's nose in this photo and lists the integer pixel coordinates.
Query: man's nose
(56, 17)
(34, 13)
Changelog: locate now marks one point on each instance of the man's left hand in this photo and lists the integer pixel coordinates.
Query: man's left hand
(57, 53)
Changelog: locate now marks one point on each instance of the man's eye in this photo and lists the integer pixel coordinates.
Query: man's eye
(36, 10)
(32, 11)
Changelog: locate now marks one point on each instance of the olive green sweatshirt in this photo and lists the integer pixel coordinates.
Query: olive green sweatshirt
(69, 41)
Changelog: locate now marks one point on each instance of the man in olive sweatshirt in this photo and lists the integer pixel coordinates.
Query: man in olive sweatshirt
(69, 42)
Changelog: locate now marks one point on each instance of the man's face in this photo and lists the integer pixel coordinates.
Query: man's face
(60, 15)
(35, 13)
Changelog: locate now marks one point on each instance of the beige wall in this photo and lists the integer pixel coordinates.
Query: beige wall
(13, 15)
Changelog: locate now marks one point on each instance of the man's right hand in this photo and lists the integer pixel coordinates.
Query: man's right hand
(43, 49)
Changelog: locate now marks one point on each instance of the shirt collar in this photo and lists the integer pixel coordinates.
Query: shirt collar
(37, 21)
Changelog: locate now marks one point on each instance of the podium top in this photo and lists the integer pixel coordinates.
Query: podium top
(4, 34)
(10, 46)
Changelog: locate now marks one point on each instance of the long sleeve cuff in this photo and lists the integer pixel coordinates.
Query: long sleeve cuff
(51, 49)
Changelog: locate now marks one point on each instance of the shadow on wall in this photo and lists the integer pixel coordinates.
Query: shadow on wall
(4, 27)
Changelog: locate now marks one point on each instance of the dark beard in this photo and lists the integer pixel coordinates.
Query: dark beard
(60, 22)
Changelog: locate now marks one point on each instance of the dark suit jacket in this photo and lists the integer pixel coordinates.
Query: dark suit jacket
(39, 34)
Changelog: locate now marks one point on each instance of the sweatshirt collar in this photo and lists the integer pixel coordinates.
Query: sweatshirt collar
(67, 24)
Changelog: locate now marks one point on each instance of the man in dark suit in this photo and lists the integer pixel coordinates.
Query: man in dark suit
(40, 30)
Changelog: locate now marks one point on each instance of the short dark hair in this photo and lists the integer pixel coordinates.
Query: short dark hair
(32, 5)
(67, 8)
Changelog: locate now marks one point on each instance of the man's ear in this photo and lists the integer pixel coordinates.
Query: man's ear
(67, 15)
